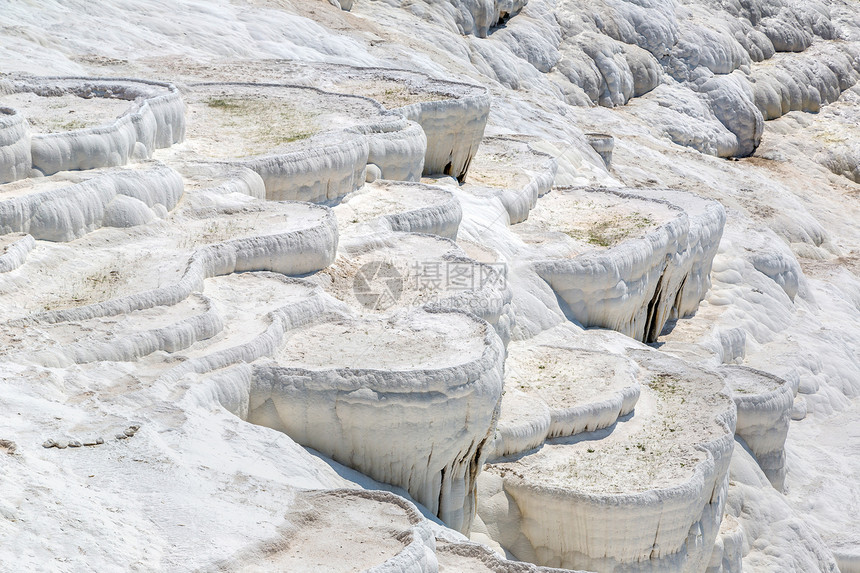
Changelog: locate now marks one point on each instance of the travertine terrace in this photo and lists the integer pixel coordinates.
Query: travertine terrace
(430, 286)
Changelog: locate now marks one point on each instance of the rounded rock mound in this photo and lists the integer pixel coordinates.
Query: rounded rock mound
(389, 391)
(555, 392)
(641, 494)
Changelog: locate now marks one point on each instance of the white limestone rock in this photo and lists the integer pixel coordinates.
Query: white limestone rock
(792, 30)
(155, 120)
(783, 538)
(764, 404)
(616, 85)
(221, 179)
(533, 36)
(345, 374)
(454, 128)
(198, 321)
(115, 198)
(397, 148)
(603, 144)
(805, 82)
(523, 425)
(452, 114)
(15, 248)
(15, 155)
(687, 119)
(693, 43)
(382, 273)
(318, 149)
(401, 206)
(729, 547)
(462, 557)
(636, 286)
(375, 531)
(554, 392)
(309, 246)
(511, 169)
(772, 306)
(468, 16)
(322, 172)
(733, 103)
(297, 304)
(585, 503)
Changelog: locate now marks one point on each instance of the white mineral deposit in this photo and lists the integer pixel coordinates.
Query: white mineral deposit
(508, 286)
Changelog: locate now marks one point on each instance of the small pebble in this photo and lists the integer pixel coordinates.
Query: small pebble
(49, 444)
(121, 437)
(129, 432)
(74, 444)
(134, 427)
(62, 444)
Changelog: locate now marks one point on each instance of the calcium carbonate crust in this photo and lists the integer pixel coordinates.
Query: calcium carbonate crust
(728, 65)
(114, 198)
(764, 403)
(655, 528)
(221, 179)
(156, 120)
(457, 555)
(400, 144)
(309, 308)
(536, 172)
(438, 471)
(15, 154)
(453, 117)
(131, 346)
(442, 219)
(490, 301)
(14, 254)
(330, 164)
(454, 129)
(638, 285)
(418, 553)
(409, 207)
(473, 17)
(370, 526)
(488, 297)
(535, 413)
(290, 253)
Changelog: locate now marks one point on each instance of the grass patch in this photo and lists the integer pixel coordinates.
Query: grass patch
(221, 103)
(216, 231)
(612, 231)
(665, 384)
(103, 284)
(73, 124)
(398, 96)
(262, 124)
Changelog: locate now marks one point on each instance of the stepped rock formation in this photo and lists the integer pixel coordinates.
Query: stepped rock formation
(443, 285)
